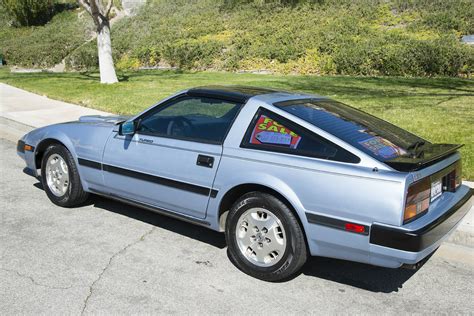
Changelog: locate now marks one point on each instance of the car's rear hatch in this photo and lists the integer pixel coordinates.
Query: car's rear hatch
(434, 170)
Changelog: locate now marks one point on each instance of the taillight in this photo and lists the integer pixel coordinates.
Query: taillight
(453, 179)
(458, 174)
(418, 200)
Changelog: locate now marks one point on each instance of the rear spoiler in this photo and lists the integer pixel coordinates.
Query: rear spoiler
(426, 156)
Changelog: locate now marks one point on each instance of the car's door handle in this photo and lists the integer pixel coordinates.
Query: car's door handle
(205, 161)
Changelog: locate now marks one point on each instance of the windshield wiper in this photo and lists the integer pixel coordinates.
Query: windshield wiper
(414, 147)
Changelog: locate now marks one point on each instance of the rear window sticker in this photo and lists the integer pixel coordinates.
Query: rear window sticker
(382, 147)
(268, 131)
(274, 138)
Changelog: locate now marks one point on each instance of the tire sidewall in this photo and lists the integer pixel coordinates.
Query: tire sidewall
(61, 151)
(271, 204)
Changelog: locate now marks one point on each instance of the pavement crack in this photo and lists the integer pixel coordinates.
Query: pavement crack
(111, 259)
(24, 276)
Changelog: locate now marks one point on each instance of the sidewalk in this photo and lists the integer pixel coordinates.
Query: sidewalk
(34, 110)
(21, 111)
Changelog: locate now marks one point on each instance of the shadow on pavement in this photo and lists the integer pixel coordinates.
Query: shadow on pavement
(202, 234)
(359, 275)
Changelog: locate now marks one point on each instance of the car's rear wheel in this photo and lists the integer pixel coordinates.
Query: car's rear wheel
(60, 177)
(264, 238)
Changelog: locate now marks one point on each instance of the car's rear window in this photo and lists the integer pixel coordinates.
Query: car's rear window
(376, 137)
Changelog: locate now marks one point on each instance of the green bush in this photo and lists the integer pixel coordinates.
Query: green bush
(28, 12)
(128, 63)
(197, 54)
(43, 46)
(363, 37)
(84, 58)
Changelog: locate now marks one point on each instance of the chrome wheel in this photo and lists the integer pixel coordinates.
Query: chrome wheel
(57, 175)
(261, 237)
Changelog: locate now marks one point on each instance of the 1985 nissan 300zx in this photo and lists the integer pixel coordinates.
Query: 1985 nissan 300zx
(283, 175)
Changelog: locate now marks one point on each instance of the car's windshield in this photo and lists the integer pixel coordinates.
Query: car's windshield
(374, 136)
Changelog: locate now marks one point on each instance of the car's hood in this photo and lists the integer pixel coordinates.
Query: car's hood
(112, 119)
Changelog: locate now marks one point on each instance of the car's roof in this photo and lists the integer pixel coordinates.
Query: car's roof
(235, 93)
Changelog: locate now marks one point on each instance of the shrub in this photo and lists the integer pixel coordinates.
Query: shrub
(193, 53)
(363, 37)
(84, 58)
(28, 12)
(148, 56)
(43, 46)
(128, 63)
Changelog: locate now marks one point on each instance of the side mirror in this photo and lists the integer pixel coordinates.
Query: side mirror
(127, 128)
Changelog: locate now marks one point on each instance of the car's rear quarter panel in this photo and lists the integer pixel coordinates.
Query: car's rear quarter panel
(320, 187)
(352, 192)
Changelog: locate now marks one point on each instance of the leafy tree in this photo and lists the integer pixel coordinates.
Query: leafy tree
(100, 13)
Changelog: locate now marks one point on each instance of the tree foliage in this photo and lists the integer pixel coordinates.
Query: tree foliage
(29, 12)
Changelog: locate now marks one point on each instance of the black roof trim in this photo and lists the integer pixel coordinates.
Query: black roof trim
(239, 94)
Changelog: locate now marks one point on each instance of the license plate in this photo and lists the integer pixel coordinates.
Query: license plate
(436, 189)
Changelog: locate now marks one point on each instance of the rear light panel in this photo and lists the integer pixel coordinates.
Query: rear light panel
(453, 179)
(419, 193)
(458, 176)
(418, 200)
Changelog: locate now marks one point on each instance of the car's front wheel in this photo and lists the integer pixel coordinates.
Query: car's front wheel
(264, 238)
(60, 177)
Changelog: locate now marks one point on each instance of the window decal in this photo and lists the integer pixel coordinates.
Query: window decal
(382, 147)
(270, 132)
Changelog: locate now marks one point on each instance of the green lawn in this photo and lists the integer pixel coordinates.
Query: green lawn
(438, 109)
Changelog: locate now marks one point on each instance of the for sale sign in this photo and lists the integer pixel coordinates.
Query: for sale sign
(270, 132)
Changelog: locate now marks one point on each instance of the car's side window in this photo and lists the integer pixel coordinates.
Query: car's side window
(272, 132)
(191, 118)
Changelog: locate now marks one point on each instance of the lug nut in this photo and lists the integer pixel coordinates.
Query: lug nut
(265, 230)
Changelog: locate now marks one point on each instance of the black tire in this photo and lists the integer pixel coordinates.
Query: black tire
(295, 253)
(75, 194)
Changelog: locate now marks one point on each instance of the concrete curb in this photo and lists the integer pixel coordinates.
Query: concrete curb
(14, 124)
(464, 234)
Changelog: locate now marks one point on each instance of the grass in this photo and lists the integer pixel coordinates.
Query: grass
(438, 109)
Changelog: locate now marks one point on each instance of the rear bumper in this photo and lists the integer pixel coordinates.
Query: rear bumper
(425, 237)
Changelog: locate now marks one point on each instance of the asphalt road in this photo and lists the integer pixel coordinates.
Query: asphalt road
(111, 258)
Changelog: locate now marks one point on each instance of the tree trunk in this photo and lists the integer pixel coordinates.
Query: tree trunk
(106, 63)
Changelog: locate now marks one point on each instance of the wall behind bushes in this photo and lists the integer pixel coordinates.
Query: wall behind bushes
(360, 37)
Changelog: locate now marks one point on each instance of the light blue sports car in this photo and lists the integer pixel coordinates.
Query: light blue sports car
(284, 175)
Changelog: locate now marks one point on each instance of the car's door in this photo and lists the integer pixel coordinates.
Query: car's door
(171, 160)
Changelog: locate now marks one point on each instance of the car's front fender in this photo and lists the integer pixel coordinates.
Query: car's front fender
(82, 140)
